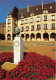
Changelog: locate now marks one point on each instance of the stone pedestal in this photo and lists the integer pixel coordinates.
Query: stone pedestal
(18, 49)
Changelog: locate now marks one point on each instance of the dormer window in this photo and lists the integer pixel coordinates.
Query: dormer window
(50, 7)
(26, 21)
(32, 14)
(36, 8)
(31, 20)
(38, 19)
(53, 17)
(45, 11)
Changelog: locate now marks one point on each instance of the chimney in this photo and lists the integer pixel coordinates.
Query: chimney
(42, 4)
(28, 7)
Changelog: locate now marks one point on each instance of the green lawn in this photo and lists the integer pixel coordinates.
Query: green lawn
(4, 48)
(53, 49)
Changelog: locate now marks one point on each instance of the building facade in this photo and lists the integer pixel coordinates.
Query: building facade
(2, 31)
(36, 23)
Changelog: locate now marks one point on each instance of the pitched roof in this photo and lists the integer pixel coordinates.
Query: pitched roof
(14, 12)
(35, 9)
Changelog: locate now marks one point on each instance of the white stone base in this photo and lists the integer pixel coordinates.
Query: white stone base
(18, 49)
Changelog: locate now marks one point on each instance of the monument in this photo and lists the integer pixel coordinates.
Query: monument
(18, 52)
(18, 47)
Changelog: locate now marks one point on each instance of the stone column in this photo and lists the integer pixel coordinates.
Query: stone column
(49, 37)
(42, 37)
(35, 38)
(11, 38)
(25, 37)
(6, 37)
(30, 37)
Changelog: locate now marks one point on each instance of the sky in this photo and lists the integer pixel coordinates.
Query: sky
(7, 5)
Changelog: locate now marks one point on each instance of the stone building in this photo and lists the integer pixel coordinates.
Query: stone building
(36, 23)
(2, 31)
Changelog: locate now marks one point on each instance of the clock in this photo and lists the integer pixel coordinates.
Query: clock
(16, 43)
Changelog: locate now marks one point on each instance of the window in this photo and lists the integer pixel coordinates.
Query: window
(31, 20)
(45, 18)
(9, 28)
(45, 26)
(38, 19)
(32, 27)
(38, 27)
(1, 24)
(45, 11)
(50, 7)
(36, 8)
(27, 28)
(53, 17)
(22, 29)
(22, 22)
(26, 21)
(8, 21)
(53, 26)
(4, 28)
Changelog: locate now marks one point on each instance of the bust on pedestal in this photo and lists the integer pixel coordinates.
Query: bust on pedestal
(18, 47)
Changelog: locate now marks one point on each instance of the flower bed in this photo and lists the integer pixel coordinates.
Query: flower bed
(33, 67)
(6, 57)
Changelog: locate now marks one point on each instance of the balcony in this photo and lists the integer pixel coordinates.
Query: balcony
(37, 29)
(52, 19)
(52, 28)
(37, 21)
(8, 30)
(32, 29)
(21, 23)
(21, 30)
(27, 30)
(8, 23)
(46, 29)
(45, 20)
